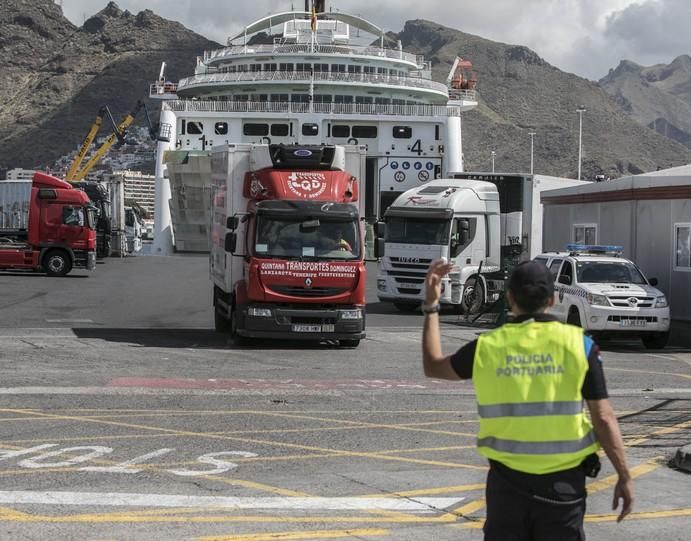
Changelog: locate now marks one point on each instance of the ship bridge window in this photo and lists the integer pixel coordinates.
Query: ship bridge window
(363, 99)
(324, 68)
(270, 67)
(300, 98)
(382, 101)
(338, 68)
(310, 130)
(241, 97)
(195, 127)
(340, 130)
(231, 69)
(303, 67)
(285, 66)
(255, 129)
(402, 132)
(398, 101)
(279, 97)
(343, 99)
(354, 69)
(323, 98)
(365, 132)
(368, 69)
(279, 130)
(255, 67)
(381, 71)
(243, 67)
(221, 128)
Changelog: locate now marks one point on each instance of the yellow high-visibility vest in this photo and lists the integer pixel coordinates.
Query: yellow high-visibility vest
(528, 378)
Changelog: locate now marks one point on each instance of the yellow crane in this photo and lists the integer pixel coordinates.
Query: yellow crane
(119, 131)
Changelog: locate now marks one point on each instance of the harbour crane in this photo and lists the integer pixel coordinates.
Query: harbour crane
(75, 173)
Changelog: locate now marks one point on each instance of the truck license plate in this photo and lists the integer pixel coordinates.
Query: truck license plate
(406, 285)
(632, 323)
(307, 328)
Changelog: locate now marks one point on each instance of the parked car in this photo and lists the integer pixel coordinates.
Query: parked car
(606, 294)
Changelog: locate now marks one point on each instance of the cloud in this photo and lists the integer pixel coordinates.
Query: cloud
(586, 37)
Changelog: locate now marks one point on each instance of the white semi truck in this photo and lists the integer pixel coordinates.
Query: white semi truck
(471, 219)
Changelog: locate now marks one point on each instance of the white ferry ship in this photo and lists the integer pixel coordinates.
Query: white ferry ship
(314, 83)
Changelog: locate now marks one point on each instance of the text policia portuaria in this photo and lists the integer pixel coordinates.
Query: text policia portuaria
(536, 364)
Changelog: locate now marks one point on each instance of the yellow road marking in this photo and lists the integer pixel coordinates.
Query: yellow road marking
(669, 513)
(469, 508)
(662, 431)
(635, 471)
(430, 491)
(338, 452)
(293, 536)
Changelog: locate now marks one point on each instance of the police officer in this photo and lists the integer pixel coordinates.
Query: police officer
(531, 377)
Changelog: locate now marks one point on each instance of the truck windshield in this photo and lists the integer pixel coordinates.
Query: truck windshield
(417, 231)
(599, 272)
(307, 238)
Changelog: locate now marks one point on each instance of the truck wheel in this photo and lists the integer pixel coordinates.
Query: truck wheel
(57, 263)
(349, 343)
(237, 339)
(221, 323)
(656, 340)
(574, 318)
(473, 296)
(406, 307)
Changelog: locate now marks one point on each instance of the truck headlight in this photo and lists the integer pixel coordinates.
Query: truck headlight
(351, 314)
(597, 300)
(381, 284)
(253, 311)
(661, 302)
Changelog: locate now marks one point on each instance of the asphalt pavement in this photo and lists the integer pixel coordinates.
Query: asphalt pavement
(123, 415)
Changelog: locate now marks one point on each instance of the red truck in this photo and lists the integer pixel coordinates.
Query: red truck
(46, 225)
(287, 242)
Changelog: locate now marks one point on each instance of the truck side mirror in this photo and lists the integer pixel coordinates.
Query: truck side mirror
(233, 222)
(380, 229)
(379, 247)
(231, 242)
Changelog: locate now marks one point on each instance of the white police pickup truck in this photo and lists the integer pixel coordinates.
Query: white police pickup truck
(606, 294)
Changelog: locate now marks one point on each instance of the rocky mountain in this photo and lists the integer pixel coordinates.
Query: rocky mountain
(657, 96)
(56, 76)
(518, 91)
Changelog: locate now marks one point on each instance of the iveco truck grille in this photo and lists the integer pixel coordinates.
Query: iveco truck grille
(412, 263)
(294, 291)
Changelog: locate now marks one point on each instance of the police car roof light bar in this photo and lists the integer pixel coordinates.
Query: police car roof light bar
(594, 249)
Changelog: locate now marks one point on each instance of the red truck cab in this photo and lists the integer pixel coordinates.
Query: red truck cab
(46, 226)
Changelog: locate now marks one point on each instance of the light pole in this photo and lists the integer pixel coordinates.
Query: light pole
(493, 154)
(581, 109)
(532, 134)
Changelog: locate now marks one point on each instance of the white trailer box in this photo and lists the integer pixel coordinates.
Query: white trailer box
(521, 210)
(14, 205)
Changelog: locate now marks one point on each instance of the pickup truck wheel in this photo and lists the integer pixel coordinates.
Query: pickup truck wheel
(574, 318)
(656, 340)
(237, 339)
(57, 263)
(349, 343)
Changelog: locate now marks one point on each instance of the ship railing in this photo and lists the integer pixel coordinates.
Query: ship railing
(308, 48)
(462, 95)
(306, 77)
(375, 109)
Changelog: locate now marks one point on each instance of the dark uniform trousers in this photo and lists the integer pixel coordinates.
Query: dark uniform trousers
(528, 507)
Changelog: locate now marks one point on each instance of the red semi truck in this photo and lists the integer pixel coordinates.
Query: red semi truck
(287, 242)
(46, 225)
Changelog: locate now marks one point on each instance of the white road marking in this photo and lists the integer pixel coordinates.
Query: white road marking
(69, 320)
(115, 499)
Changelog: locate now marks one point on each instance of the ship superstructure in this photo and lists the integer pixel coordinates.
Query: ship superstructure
(311, 83)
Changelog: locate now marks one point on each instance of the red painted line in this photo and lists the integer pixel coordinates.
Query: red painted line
(286, 384)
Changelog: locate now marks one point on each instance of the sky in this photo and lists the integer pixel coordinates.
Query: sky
(585, 37)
